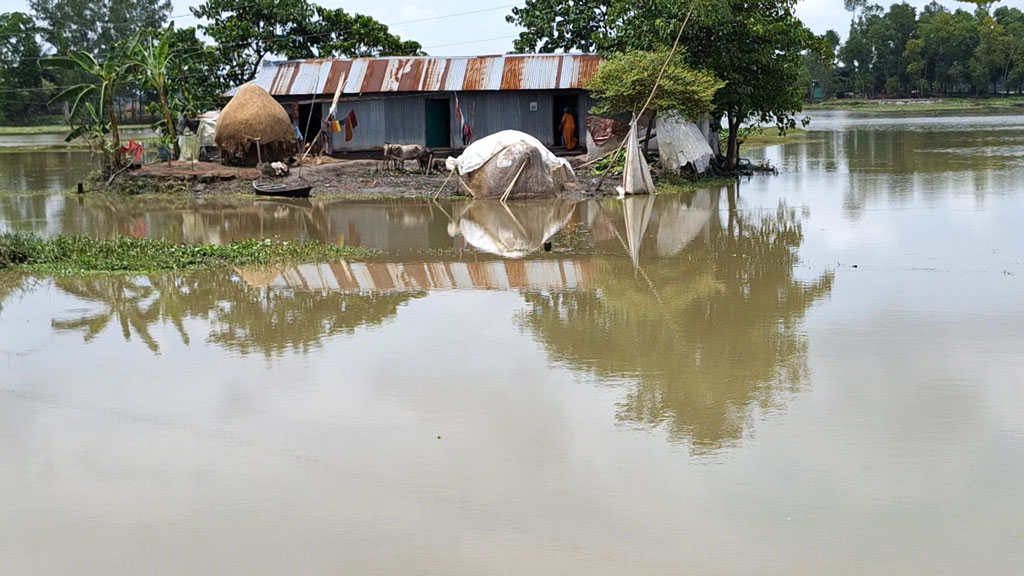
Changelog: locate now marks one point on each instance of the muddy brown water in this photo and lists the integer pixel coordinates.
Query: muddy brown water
(814, 373)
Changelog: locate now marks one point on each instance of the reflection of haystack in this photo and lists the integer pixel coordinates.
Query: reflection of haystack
(254, 116)
(258, 277)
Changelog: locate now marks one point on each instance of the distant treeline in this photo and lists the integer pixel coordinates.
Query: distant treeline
(111, 41)
(901, 52)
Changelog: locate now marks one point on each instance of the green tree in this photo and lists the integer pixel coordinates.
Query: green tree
(902, 21)
(195, 79)
(624, 83)
(820, 66)
(153, 61)
(96, 26)
(21, 79)
(755, 46)
(1012, 22)
(105, 78)
(247, 31)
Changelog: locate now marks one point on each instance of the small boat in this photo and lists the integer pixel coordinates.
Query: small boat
(282, 190)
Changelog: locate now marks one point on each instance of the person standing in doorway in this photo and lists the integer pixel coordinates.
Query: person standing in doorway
(568, 127)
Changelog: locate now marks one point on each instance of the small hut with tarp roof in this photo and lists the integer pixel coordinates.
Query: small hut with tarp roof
(252, 118)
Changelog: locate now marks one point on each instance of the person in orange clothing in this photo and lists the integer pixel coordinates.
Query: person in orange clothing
(568, 126)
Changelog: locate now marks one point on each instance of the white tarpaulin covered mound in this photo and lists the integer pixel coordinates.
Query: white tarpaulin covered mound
(510, 164)
(680, 143)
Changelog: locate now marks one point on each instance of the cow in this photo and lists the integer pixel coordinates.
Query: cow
(397, 154)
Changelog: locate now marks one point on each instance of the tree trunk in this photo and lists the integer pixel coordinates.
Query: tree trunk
(115, 136)
(172, 133)
(732, 149)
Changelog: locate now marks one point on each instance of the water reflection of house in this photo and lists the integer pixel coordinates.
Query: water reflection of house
(390, 227)
(545, 274)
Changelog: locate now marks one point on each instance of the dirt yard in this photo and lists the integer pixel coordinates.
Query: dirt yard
(328, 177)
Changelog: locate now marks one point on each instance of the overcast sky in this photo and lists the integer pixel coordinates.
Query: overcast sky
(486, 31)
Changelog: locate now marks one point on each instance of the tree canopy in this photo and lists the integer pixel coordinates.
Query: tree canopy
(96, 26)
(902, 51)
(247, 31)
(755, 46)
(20, 76)
(624, 83)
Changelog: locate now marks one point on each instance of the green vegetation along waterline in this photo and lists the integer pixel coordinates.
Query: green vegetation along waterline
(78, 254)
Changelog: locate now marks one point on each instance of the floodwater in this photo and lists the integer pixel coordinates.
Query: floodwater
(813, 373)
(56, 139)
(44, 170)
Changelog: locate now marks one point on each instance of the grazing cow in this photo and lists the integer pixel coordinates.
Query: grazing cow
(397, 154)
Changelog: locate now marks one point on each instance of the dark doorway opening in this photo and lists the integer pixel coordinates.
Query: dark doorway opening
(438, 116)
(560, 104)
(310, 126)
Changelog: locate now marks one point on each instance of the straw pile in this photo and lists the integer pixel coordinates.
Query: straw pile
(253, 114)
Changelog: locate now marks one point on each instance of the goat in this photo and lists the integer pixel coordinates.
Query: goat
(397, 154)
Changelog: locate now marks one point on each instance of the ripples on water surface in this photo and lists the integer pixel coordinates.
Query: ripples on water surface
(824, 380)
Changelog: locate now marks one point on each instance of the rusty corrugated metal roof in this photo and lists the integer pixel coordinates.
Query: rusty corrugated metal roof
(428, 74)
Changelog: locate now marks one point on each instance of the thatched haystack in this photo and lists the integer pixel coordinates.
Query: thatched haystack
(253, 115)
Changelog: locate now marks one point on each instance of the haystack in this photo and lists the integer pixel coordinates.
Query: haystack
(253, 115)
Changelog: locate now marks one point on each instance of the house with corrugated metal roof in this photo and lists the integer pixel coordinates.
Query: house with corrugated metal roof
(419, 100)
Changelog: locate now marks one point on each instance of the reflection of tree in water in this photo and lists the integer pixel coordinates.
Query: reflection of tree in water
(273, 322)
(10, 284)
(244, 319)
(708, 335)
(124, 300)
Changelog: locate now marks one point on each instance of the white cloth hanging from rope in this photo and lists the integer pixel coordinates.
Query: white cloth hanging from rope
(636, 178)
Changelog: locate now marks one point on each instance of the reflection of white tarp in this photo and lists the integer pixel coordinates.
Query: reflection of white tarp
(482, 150)
(637, 176)
(680, 143)
(679, 224)
(511, 230)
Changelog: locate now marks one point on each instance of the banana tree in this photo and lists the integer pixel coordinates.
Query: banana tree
(106, 78)
(153, 60)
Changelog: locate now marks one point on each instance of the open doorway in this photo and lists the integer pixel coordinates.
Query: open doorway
(560, 105)
(310, 126)
(438, 116)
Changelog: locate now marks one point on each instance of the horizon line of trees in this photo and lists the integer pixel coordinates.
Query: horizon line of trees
(110, 32)
(903, 52)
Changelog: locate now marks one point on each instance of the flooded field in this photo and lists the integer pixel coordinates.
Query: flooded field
(57, 139)
(813, 373)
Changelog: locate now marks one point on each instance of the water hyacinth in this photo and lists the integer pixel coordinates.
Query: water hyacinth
(70, 254)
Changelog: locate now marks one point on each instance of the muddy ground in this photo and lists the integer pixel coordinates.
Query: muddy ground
(329, 177)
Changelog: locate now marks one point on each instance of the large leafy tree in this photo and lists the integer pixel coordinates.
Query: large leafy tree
(247, 31)
(96, 26)
(195, 78)
(755, 46)
(20, 76)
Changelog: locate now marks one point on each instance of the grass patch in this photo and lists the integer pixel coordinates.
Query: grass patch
(668, 183)
(768, 136)
(921, 105)
(80, 254)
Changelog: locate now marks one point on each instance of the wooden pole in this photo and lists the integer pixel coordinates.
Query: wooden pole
(514, 180)
(450, 174)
